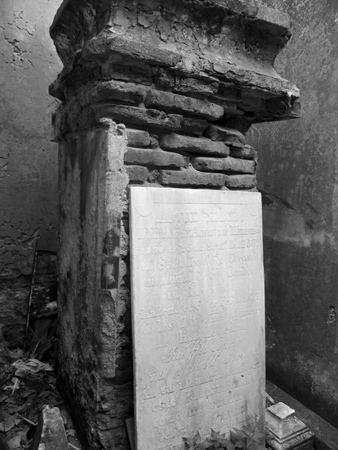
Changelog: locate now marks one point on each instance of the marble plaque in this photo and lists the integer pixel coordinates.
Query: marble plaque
(198, 313)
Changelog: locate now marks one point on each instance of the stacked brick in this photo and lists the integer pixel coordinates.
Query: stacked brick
(173, 139)
(221, 160)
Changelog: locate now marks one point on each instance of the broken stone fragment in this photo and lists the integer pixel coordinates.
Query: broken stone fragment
(246, 152)
(137, 174)
(194, 145)
(138, 138)
(50, 433)
(218, 133)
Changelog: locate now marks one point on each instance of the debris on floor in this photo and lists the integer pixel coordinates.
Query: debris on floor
(28, 391)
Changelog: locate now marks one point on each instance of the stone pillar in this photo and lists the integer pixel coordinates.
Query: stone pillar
(158, 93)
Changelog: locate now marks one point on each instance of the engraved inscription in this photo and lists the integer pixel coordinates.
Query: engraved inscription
(198, 313)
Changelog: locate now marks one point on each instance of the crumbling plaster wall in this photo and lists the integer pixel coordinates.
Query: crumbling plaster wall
(298, 176)
(28, 160)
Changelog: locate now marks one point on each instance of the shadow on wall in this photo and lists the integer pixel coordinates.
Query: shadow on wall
(297, 176)
(28, 160)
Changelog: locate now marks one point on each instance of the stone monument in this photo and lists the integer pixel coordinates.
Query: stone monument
(198, 314)
(160, 93)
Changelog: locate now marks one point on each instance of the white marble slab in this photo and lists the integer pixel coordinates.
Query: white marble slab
(198, 313)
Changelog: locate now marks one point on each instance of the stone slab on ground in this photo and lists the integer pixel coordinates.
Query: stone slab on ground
(326, 436)
(198, 313)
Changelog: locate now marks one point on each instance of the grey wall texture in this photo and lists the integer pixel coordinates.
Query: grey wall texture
(28, 160)
(298, 176)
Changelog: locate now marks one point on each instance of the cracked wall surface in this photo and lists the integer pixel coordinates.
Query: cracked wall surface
(28, 160)
(298, 168)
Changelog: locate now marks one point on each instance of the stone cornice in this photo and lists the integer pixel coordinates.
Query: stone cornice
(231, 42)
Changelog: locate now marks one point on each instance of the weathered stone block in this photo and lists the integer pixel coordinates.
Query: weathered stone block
(153, 141)
(229, 135)
(153, 176)
(190, 86)
(191, 177)
(113, 90)
(181, 104)
(194, 145)
(246, 152)
(100, 46)
(240, 181)
(137, 174)
(157, 158)
(93, 184)
(193, 126)
(50, 434)
(223, 165)
(287, 432)
(138, 116)
(138, 138)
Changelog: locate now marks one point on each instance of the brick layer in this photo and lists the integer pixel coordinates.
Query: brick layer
(157, 158)
(228, 164)
(194, 145)
(191, 178)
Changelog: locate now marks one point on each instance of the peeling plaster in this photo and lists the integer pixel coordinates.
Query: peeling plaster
(28, 160)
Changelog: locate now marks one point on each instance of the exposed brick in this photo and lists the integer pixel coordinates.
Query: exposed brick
(138, 138)
(240, 181)
(181, 104)
(201, 145)
(193, 126)
(157, 158)
(229, 135)
(196, 86)
(153, 141)
(246, 152)
(153, 176)
(113, 90)
(138, 116)
(137, 174)
(191, 177)
(223, 165)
